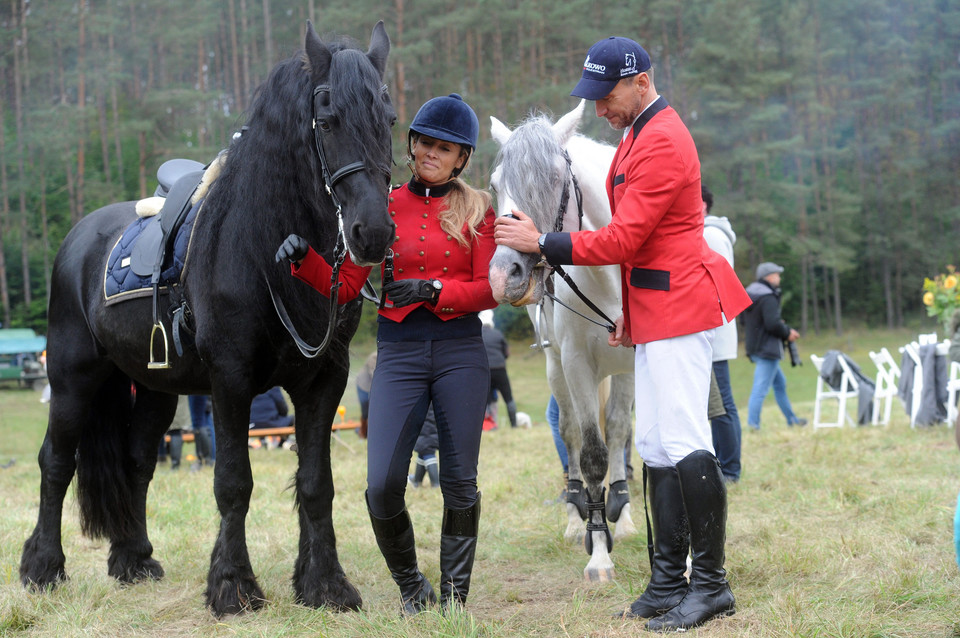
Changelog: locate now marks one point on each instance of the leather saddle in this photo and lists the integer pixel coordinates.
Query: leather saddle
(178, 180)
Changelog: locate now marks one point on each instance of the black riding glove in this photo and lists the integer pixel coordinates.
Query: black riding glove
(294, 248)
(404, 292)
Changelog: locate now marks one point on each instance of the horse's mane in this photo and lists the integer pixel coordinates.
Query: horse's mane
(530, 169)
(273, 166)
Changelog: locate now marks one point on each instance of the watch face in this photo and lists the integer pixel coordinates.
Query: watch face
(437, 284)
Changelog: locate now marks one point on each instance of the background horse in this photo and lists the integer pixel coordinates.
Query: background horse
(271, 185)
(540, 167)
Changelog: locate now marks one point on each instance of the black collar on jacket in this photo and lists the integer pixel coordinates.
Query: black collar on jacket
(419, 188)
(658, 105)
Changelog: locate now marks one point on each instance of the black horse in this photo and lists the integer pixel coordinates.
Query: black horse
(272, 184)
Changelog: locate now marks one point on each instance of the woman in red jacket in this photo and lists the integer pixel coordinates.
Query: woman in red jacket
(429, 345)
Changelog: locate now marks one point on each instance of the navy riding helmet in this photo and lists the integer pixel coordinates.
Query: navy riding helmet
(447, 118)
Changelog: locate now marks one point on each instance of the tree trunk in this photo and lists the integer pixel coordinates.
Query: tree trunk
(4, 209)
(81, 107)
(401, 92)
(19, 72)
(268, 52)
(235, 57)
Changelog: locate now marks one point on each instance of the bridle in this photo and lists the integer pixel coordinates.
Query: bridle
(330, 180)
(558, 227)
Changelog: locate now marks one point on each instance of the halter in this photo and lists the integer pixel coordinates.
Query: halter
(558, 227)
(330, 180)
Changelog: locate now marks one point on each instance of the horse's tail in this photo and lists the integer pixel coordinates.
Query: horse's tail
(104, 465)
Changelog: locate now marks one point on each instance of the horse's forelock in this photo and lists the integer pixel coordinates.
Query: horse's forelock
(529, 166)
(355, 91)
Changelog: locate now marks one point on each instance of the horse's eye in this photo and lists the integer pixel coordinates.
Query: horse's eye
(393, 122)
(324, 125)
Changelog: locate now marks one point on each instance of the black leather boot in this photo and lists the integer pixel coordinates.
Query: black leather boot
(512, 413)
(458, 545)
(396, 542)
(705, 499)
(671, 542)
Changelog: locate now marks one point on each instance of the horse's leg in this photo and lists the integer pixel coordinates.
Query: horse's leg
(593, 463)
(318, 578)
(619, 427)
(131, 553)
(570, 433)
(231, 584)
(71, 409)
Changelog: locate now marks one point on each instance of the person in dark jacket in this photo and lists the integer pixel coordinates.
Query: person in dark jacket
(765, 333)
(497, 352)
(270, 410)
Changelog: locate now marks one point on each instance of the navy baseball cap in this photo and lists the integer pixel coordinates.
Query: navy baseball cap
(609, 61)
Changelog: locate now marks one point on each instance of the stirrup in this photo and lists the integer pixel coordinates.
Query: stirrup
(154, 364)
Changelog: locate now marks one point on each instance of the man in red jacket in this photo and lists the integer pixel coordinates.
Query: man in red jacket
(676, 292)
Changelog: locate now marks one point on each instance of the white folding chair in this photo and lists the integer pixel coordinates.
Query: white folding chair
(849, 389)
(927, 339)
(953, 387)
(912, 350)
(888, 376)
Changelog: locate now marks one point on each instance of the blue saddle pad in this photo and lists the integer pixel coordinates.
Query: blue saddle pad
(121, 282)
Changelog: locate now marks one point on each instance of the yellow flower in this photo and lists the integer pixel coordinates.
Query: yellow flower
(950, 281)
(928, 299)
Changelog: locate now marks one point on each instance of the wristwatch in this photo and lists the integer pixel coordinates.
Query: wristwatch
(437, 286)
(541, 241)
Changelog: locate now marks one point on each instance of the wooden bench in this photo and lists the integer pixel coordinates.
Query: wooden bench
(257, 433)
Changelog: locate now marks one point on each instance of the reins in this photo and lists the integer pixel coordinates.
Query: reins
(330, 180)
(558, 227)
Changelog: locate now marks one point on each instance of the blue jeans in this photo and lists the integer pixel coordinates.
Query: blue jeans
(768, 373)
(553, 418)
(202, 419)
(726, 428)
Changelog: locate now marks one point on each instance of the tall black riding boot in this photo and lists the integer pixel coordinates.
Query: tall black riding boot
(176, 448)
(512, 413)
(671, 542)
(396, 542)
(201, 438)
(458, 545)
(705, 499)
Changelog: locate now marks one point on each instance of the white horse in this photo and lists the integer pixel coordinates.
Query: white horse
(542, 168)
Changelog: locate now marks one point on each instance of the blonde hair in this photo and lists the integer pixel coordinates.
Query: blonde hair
(465, 205)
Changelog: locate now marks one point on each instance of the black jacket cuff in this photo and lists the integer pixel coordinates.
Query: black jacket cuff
(558, 249)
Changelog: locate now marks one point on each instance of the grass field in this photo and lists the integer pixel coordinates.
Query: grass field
(834, 533)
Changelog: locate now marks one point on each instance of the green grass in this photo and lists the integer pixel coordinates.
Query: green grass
(834, 533)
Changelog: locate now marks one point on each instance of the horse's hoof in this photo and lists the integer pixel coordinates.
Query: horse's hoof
(234, 596)
(40, 570)
(336, 593)
(135, 572)
(599, 574)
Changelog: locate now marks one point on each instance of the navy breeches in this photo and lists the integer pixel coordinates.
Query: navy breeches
(452, 374)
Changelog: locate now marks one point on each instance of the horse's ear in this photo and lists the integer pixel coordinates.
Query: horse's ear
(318, 55)
(567, 125)
(379, 48)
(499, 131)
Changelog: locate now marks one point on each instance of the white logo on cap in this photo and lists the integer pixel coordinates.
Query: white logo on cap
(595, 68)
(630, 65)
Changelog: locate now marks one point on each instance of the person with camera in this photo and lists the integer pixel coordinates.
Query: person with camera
(766, 332)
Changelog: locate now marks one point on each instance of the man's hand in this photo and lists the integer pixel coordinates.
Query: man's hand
(404, 292)
(293, 249)
(794, 335)
(619, 336)
(520, 233)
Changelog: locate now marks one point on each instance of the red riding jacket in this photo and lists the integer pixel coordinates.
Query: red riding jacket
(421, 250)
(673, 284)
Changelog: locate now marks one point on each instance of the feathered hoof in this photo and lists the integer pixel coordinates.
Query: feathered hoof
(338, 595)
(133, 572)
(232, 596)
(41, 569)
